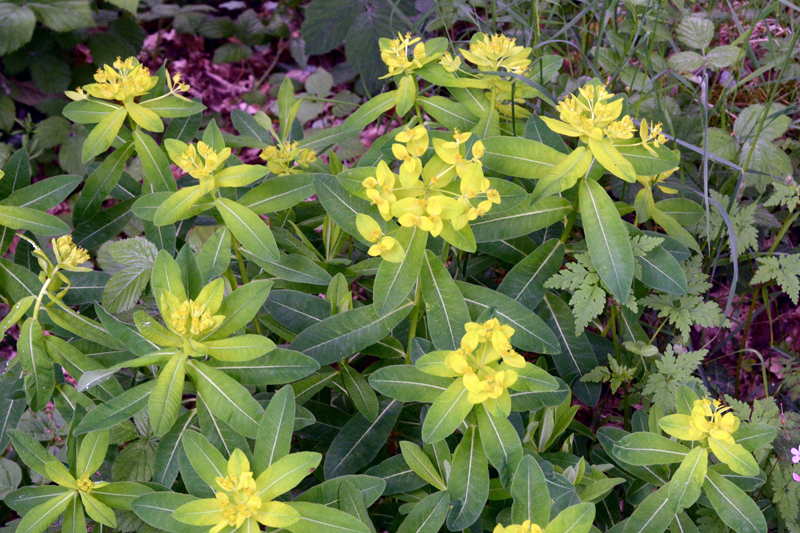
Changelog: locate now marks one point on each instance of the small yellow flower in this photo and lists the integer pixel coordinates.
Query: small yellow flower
(389, 249)
(497, 52)
(450, 63)
(69, 255)
(525, 527)
(198, 161)
(285, 157)
(395, 54)
(85, 485)
(126, 80)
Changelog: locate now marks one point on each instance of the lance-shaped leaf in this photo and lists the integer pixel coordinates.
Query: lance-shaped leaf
(469, 482)
(249, 229)
(408, 384)
(351, 501)
(206, 460)
(346, 333)
(45, 194)
(111, 413)
(165, 400)
(36, 365)
(523, 219)
(394, 281)
(733, 505)
(42, 516)
(274, 437)
(686, 483)
(343, 207)
(315, 518)
(102, 135)
(444, 305)
(226, 398)
(101, 182)
(276, 367)
(421, 464)
(360, 440)
(519, 157)
(165, 469)
(279, 193)
(500, 443)
(575, 519)
(607, 240)
(734, 455)
(530, 493)
(612, 160)
(654, 514)
(428, 515)
(359, 391)
(525, 282)
(446, 413)
(154, 163)
(25, 218)
(645, 448)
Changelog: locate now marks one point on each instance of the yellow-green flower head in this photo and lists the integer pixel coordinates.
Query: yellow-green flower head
(654, 135)
(450, 63)
(193, 318)
(286, 157)
(395, 53)
(493, 385)
(497, 52)
(202, 161)
(525, 527)
(588, 115)
(69, 255)
(85, 485)
(240, 500)
(127, 79)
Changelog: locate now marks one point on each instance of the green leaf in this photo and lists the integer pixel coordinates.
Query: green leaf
(351, 501)
(63, 15)
(239, 175)
(31, 452)
(40, 517)
(645, 448)
(137, 255)
(36, 365)
(686, 483)
(452, 115)
(74, 518)
(165, 400)
(82, 326)
(446, 413)
(653, 515)
(529, 488)
(90, 234)
(607, 240)
(408, 384)
(343, 207)
(226, 398)
(735, 456)
(294, 267)
(88, 111)
(111, 413)
(406, 95)
(755, 436)
(520, 220)
(286, 473)
(574, 519)
(530, 332)
(612, 160)
(421, 464)
(315, 518)
(120, 495)
(360, 440)
(695, 31)
(45, 194)
(17, 23)
(565, 174)
(445, 308)
(469, 481)
(173, 107)
(143, 117)
(395, 281)
(24, 218)
(156, 510)
(178, 206)
(370, 111)
(359, 391)
(249, 229)
(685, 61)
(733, 505)
(519, 157)
(274, 437)
(240, 347)
(276, 367)
(101, 137)
(16, 313)
(205, 459)
(645, 163)
(154, 163)
(525, 281)
(279, 193)
(500, 443)
(578, 357)
(239, 308)
(166, 464)
(428, 515)
(662, 272)
(344, 334)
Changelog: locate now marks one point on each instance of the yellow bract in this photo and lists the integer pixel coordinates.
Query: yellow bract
(192, 318)
(401, 58)
(69, 255)
(126, 80)
(525, 527)
(498, 52)
(483, 348)
(418, 196)
(85, 485)
(200, 162)
(286, 157)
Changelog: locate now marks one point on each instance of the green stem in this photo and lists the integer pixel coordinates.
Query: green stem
(414, 318)
(243, 273)
(38, 303)
(568, 227)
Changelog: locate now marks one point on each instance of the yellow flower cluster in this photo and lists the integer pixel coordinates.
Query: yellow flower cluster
(591, 115)
(492, 53)
(383, 245)
(719, 423)
(395, 53)
(237, 499)
(85, 485)
(200, 162)
(653, 134)
(478, 360)
(127, 79)
(285, 158)
(189, 318)
(419, 195)
(525, 527)
(68, 254)
(450, 63)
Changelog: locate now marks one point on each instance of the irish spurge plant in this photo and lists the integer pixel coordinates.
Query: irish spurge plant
(495, 318)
